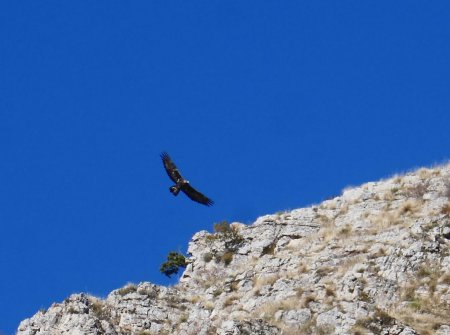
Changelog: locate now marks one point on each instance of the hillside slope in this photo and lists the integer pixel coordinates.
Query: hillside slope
(375, 260)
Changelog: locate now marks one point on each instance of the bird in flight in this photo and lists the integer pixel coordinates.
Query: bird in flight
(182, 184)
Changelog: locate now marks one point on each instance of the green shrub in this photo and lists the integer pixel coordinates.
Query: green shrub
(227, 257)
(174, 262)
(207, 257)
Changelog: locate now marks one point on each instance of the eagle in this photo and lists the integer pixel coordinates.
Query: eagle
(182, 184)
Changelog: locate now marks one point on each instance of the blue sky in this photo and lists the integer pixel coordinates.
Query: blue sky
(263, 105)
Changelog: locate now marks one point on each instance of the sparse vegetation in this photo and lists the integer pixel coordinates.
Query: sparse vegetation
(323, 271)
(446, 209)
(376, 322)
(207, 257)
(129, 288)
(364, 296)
(417, 191)
(423, 271)
(217, 292)
(303, 268)
(415, 304)
(230, 236)
(409, 207)
(230, 299)
(208, 305)
(261, 281)
(325, 329)
(308, 299)
(345, 231)
(99, 309)
(330, 291)
(299, 291)
(445, 278)
(353, 257)
(446, 192)
(72, 310)
(269, 249)
(184, 317)
(227, 257)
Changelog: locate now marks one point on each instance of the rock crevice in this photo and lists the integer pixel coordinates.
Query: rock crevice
(375, 260)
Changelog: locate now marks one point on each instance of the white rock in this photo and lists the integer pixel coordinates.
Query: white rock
(317, 270)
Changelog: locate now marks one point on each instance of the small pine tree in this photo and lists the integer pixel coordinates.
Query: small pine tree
(174, 262)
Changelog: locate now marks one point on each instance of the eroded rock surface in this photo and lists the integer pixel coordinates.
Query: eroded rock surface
(375, 260)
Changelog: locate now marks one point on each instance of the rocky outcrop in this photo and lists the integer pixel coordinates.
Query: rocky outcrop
(375, 260)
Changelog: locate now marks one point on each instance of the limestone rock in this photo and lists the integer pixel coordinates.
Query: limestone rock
(375, 260)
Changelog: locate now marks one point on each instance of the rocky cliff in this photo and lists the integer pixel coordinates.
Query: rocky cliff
(375, 260)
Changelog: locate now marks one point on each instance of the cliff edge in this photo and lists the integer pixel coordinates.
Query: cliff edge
(375, 260)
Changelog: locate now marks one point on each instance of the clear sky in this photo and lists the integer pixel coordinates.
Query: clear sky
(264, 106)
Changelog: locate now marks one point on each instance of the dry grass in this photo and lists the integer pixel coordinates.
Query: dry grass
(305, 328)
(398, 180)
(424, 173)
(422, 318)
(389, 195)
(208, 305)
(379, 318)
(227, 257)
(418, 190)
(383, 220)
(230, 299)
(183, 317)
(345, 231)
(263, 280)
(100, 310)
(446, 192)
(446, 209)
(194, 299)
(344, 209)
(324, 329)
(349, 262)
(410, 206)
(424, 310)
(303, 268)
(330, 290)
(324, 271)
(289, 330)
(445, 279)
(129, 288)
(359, 330)
(327, 232)
(323, 219)
(307, 299)
(388, 218)
(299, 291)
(379, 253)
(268, 310)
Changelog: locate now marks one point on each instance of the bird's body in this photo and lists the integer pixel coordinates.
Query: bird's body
(182, 184)
(175, 189)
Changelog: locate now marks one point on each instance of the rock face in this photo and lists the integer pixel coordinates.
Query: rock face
(375, 260)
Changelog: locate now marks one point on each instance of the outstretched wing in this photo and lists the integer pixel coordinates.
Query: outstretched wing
(196, 195)
(170, 167)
